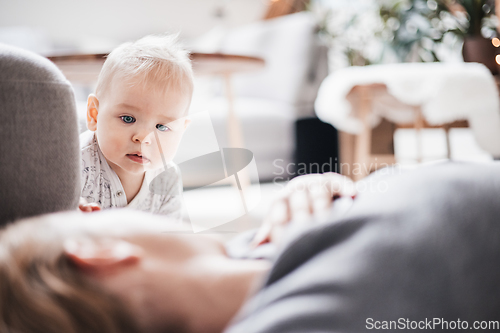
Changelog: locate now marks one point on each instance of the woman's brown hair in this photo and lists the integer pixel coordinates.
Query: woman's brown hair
(42, 291)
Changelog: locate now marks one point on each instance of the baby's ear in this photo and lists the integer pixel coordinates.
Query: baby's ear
(92, 111)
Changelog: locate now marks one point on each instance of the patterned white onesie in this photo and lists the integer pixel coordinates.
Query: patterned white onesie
(101, 184)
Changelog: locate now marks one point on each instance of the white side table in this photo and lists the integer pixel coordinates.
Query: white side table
(354, 100)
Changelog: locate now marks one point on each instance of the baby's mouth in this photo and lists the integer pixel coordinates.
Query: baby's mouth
(138, 158)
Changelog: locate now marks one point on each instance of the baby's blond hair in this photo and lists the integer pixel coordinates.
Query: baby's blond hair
(159, 59)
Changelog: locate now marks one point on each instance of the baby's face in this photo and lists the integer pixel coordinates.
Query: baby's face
(134, 121)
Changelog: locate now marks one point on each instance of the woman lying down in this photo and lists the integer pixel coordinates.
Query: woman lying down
(424, 250)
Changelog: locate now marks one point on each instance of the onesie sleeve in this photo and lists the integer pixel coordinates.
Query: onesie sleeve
(171, 198)
(88, 167)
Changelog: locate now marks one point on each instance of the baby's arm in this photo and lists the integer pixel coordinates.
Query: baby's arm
(172, 207)
(86, 207)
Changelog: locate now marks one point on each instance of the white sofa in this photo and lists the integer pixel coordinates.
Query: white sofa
(270, 101)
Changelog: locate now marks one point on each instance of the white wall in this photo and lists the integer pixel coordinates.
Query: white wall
(91, 25)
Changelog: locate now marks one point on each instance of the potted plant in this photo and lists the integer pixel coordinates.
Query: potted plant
(418, 29)
(480, 29)
(392, 31)
(412, 31)
(424, 24)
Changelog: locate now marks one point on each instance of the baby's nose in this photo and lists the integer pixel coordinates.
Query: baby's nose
(142, 138)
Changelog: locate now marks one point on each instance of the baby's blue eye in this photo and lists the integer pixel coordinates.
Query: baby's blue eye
(128, 119)
(162, 128)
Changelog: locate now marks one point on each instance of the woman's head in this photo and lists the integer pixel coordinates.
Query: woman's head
(115, 271)
(42, 291)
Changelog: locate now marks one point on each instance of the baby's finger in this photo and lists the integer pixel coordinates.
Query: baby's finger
(94, 207)
(85, 208)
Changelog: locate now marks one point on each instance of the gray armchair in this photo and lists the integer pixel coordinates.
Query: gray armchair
(39, 157)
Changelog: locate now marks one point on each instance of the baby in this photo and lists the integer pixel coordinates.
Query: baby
(136, 120)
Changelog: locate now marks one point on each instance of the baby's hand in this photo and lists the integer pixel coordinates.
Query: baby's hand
(86, 207)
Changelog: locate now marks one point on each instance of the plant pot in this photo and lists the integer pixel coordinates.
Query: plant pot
(480, 49)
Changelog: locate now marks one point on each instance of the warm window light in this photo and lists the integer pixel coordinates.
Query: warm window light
(497, 59)
(496, 42)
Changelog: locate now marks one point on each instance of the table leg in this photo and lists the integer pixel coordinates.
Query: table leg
(235, 137)
(346, 153)
(419, 125)
(361, 167)
(448, 144)
(234, 131)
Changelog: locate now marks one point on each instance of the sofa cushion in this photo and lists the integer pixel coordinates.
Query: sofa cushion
(289, 46)
(39, 162)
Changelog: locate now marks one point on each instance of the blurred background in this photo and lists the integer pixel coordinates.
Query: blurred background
(300, 43)
(98, 26)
